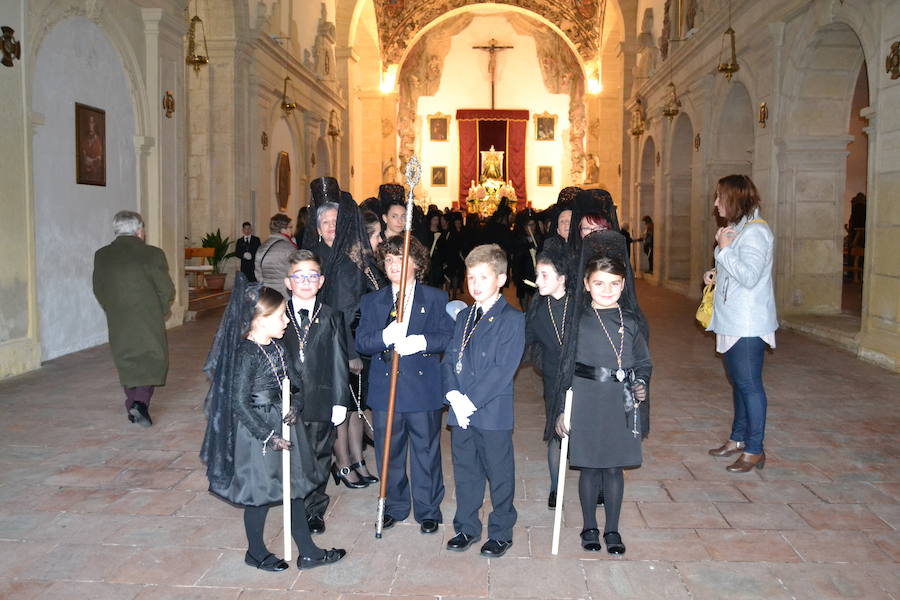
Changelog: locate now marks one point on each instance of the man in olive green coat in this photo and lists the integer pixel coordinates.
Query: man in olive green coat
(132, 285)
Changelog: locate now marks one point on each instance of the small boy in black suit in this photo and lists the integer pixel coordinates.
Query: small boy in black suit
(478, 370)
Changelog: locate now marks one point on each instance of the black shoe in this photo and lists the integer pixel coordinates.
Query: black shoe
(340, 475)
(130, 418)
(388, 521)
(461, 542)
(366, 478)
(495, 548)
(269, 563)
(316, 524)
(141, 414)
(429, 526)
(331, 556)
(600, 498)
(614, 543)
(590, 540)
(551, 500)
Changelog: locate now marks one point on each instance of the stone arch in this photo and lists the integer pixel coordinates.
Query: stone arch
(77, 62)
(820, 85)
(647, 198)
(734, 138)
(678, 204)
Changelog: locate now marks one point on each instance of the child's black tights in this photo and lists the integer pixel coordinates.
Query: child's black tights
(255, 524)
(612, 482)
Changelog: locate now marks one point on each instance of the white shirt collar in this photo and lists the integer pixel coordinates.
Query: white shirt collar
(485, 308)
(299, 304)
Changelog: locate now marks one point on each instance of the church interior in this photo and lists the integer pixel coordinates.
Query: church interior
(203, 114)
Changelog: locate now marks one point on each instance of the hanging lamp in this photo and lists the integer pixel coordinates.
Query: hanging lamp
(194, 59)
(731, 67)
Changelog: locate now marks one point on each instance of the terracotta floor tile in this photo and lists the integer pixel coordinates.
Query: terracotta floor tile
(750, 516)
(633, 580)
(735, 545)
(836, 546)
(839, 516)
(828, 582)
(536, 578)
(847, 493)
(714, 581)
(682, 514)
(704, 491)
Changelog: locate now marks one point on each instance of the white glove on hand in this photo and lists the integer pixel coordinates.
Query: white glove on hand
(338, 414)
(411, 344)
(394, 332)
(461, 406)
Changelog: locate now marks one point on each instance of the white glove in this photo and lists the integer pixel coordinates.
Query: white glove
(411, 344)
(338, 414)
(461, 406)
(394, 332)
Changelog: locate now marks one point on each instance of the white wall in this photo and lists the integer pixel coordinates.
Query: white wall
(76, 63)
(465, 83)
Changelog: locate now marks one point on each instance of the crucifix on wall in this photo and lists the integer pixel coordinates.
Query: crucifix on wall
(492, 62)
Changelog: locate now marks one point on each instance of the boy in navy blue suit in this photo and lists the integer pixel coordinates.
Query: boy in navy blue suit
(418, 407)
(478, 371)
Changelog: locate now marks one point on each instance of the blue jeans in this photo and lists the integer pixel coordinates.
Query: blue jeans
(743, 363)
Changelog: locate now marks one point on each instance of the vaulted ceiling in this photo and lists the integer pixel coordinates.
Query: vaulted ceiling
(399, 21)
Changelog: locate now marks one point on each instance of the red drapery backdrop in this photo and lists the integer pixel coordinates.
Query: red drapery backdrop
(505, 130)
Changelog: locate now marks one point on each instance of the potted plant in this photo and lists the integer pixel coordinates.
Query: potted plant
(221, 252)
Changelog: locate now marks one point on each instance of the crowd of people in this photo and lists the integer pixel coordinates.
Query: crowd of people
(323, 309)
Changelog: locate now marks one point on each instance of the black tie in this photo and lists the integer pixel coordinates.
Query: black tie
(304, 317)
(478, 314)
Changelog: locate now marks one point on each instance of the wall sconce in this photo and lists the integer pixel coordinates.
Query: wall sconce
(637, 119)
(264, 140)
(10, 46)
(697, 143)
(388, 79)
(658, 158)
(194, 59)
(286, 106)
(168, 104)
(673, 104)
(763, 114)
(731, 67)
(594, 85)
(891, 63)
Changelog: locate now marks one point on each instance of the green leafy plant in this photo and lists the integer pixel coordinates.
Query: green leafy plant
(221, 249)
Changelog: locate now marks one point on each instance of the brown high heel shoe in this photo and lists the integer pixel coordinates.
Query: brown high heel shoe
(746, 462)
(727, 449)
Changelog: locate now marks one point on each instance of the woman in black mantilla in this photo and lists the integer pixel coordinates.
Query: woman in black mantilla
(242, 444)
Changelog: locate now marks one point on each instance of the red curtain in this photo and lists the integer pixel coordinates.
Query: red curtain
(478, 130)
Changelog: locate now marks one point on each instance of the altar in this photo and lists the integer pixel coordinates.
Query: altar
(487, 133)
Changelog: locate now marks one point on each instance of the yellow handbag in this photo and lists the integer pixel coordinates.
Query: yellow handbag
(705, 310)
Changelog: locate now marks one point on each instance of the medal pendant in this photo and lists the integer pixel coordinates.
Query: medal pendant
(620, 375)
(459, 366)
(302, 356)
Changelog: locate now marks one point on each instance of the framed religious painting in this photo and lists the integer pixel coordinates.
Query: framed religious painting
(545, 127)
(283, 180)
(439, 176)
(545, 175)
(438, 127)
(90, 145)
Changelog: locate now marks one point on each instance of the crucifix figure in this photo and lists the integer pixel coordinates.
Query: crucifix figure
(492, 63)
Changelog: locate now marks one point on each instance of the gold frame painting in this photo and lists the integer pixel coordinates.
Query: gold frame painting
(90, 145)
(439, 127)
(439, 176)
(545, 127)
(545, 175)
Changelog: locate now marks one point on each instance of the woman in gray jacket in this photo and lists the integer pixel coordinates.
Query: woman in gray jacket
(744, 318)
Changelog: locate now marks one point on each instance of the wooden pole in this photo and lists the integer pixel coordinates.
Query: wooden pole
(412, 178)
(286, 468)
(561, 475)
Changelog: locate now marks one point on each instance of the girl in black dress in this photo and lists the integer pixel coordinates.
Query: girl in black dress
(242, 445)
(612, 371)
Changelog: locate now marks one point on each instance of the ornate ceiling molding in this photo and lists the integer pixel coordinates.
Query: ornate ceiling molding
(399, 21)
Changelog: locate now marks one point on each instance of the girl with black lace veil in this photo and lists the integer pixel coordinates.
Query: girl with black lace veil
(337, 234)
(242, 445)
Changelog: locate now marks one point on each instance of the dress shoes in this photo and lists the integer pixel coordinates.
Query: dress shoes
(269, 563)
(495, 548)
(614, 543)
(727, 449)
(316, 524)
(590, 540)
(428, 526)
(461, 542)
(551, 500)
(388, 521)
(746, 462)
(141, 414)
(331, 556)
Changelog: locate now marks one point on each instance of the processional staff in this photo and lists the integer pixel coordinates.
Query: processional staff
(413, 173)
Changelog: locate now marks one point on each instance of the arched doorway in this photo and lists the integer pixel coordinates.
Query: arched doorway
(678, 217)
(77, 63)
(815, 170)
(854, 248)
(646, 201)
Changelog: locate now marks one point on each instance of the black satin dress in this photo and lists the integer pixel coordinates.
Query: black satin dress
(257, 412)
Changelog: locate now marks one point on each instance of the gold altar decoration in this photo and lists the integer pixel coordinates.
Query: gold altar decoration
(484, 198)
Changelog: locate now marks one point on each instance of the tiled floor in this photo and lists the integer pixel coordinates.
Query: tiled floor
(93, 507)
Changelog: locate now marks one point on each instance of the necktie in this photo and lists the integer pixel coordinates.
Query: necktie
(304, 317)
(478, 314)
